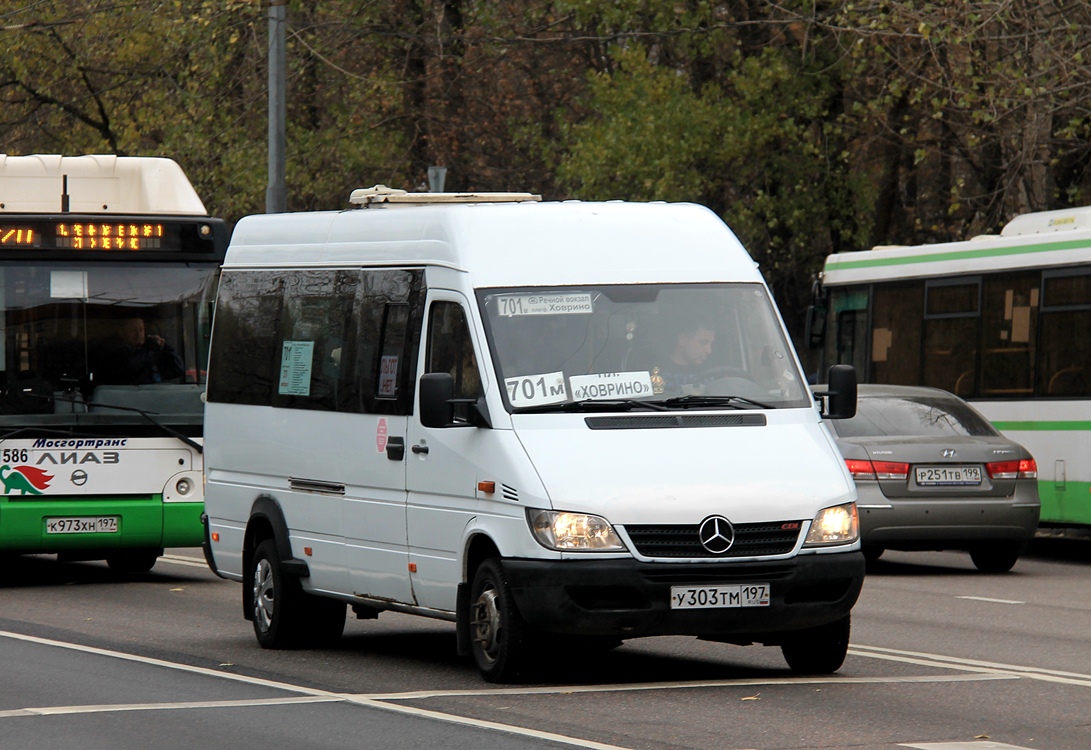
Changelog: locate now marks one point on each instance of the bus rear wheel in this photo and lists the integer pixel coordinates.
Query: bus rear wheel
(130, 561)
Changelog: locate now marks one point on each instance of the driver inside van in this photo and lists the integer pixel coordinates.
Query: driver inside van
(685, 371)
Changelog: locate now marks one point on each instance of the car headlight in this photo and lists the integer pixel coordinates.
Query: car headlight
(572, 531)
(836, 525)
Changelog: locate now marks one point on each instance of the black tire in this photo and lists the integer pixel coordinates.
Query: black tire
(996, 558)
(819, 650)
(275, 598)
(130, 561)
(283, 614)
(871, 554)
(498, 636)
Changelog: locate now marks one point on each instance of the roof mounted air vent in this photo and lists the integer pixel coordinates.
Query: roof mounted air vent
(383, 194)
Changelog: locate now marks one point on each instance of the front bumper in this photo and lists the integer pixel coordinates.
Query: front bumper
(627, 598)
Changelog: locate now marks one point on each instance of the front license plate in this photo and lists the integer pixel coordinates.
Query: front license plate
(936, 476)
(714, 597)
(81, 525)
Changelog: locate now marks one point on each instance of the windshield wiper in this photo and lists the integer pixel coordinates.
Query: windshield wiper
(619, 404)
(147, 415)
(695, 400)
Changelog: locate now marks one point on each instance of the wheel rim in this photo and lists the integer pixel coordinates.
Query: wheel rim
(263, 594)
(486, 624)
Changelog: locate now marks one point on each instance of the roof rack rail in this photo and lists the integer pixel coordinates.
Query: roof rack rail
(383, 194)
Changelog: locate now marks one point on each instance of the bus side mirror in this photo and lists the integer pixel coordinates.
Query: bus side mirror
(841, 393)
(814, 331)
(436, 391)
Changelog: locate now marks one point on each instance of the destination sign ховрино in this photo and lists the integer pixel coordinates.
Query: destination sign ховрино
(123, 235)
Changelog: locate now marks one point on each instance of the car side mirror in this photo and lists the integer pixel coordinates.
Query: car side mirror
(437, 389)
(437, 403)
(841, 393)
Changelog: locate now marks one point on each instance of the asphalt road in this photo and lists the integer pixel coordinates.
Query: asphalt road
(942, 658)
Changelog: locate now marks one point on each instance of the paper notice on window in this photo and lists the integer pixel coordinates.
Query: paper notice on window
(881, 340)
(68, 284)
(1020, 325)
(296, 361)
(509, 305)
(611, 385)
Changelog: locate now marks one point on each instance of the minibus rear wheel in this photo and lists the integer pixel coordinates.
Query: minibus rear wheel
(498, 636)
(819, 650)
(277, 599)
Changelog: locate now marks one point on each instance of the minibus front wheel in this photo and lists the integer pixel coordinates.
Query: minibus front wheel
(499, 639)
(818, 650)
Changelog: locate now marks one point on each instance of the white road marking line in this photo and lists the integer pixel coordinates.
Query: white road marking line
(980, 670)
(975, 665)
(115, 707)
(975, 745)
(191, 562)
(990, 599)
(621, 688)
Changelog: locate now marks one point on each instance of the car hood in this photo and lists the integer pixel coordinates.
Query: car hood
(786, 469)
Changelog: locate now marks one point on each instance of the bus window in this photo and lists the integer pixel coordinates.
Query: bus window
(1064, 359)
(950, 330)
(896, 334)
(1008, 334)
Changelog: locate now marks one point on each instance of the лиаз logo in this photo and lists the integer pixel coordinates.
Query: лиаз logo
(24, 480)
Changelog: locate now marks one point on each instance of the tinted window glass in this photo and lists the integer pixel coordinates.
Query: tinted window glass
(245, 355)
(912, 417)
(330, 340)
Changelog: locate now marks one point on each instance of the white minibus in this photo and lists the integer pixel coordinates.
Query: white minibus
(557, 425)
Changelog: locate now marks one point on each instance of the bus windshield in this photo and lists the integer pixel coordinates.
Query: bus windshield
(651, 344)
(112, 340)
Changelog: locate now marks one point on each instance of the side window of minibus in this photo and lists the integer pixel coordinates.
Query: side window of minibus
(451, 350)
(390, 310)
(316, 330)
(245, 350)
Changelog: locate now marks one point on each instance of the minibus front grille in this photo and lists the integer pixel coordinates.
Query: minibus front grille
(751, 540)
(660, 421)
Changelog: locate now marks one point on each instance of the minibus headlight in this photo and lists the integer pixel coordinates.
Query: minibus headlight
(572, 531)
(836, 525)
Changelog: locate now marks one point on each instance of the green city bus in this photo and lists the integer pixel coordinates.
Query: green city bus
(108, 267)
(1003, 321)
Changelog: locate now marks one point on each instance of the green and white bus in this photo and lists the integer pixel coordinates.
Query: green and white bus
(1002, 320)
(108, 267)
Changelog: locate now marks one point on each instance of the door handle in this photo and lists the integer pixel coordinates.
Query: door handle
(419, 449)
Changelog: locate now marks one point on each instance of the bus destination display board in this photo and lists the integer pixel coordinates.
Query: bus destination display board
(89, 234)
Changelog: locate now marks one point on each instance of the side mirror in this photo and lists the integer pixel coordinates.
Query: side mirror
(438, 402)
(436, 391)
(841, 392)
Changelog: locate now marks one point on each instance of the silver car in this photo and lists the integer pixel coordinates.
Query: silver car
(933, 474)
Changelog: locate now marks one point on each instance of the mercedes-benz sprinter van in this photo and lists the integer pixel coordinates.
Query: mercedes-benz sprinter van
(546, 422)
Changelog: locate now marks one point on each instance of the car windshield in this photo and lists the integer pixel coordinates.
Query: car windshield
(649, 346)
(913, 416)
(108, 340)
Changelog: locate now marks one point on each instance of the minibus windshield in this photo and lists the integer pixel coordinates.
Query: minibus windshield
(654, 346)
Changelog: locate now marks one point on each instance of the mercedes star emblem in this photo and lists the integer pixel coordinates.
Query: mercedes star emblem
(716, 534)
